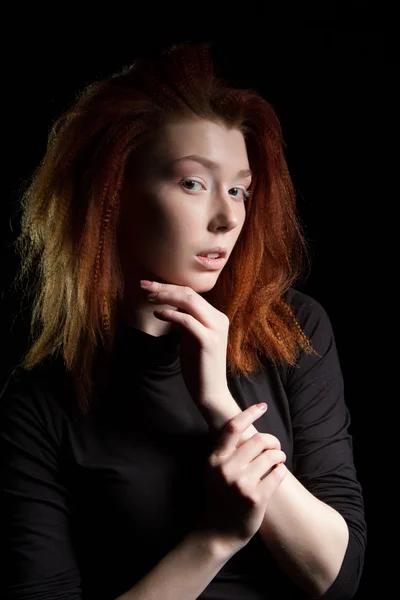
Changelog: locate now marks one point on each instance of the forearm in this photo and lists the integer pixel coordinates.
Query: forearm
(183, 573)
(307, 538)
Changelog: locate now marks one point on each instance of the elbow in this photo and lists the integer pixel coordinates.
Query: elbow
(343, 590)
(347, 582)
(343, 583)
(346, 591)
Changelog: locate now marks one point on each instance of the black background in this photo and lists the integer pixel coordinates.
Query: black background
(330, 77)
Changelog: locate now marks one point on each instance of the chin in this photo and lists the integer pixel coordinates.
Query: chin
(194, 281)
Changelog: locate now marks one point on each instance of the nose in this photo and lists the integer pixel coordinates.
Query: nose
(227, 208)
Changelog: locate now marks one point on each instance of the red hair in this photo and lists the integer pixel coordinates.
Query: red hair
(70, 216)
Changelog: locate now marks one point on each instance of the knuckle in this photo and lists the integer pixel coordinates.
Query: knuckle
(225, 473)
(232, 426)
(213, 461)
(258, 438)
(274, 441)
(275, 456)
(280, 455)
(280, 472)
(186, 321)
(189, 292)
(224, 319)
(241, 485)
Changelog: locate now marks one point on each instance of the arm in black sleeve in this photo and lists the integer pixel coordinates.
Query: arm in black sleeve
(323, 453)
(37, 554)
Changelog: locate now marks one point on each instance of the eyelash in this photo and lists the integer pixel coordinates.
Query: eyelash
(246, 193)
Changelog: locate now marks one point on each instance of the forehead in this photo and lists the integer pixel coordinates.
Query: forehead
(201, 137)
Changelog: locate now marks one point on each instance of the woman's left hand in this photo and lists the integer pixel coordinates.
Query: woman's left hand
(203, 344)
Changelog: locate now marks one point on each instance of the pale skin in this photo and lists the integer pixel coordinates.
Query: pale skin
(165, 223)
(170, 213)
(307, 537)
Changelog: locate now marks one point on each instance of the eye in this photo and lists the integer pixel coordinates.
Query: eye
(190, 181)
(245, 193)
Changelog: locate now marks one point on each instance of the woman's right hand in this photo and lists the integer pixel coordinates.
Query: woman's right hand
(240, 481)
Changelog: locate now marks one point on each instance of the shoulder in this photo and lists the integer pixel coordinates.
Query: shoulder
(311, 316)
(39, 380)
(37, 395)
(305, 307)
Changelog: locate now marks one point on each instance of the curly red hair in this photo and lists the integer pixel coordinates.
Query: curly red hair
(70, 212)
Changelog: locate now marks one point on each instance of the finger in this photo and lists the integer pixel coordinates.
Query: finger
(186, 299)
(272, 480)
(269, 441)
(183, 297)
(251, 448)
(233, 430)
(185, 320)
(261, 466)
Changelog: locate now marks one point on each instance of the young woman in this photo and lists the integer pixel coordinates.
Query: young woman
(136, 460)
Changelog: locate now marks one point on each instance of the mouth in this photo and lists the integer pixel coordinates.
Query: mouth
(214, 253)
(211, 263)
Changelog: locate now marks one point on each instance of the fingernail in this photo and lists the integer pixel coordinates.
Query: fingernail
(145, 283)
(262, 406)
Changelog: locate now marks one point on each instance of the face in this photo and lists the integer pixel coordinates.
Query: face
(173, 208)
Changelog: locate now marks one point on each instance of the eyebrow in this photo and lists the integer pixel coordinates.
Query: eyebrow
(206, 162)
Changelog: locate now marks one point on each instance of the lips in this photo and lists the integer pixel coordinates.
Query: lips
(218, 250)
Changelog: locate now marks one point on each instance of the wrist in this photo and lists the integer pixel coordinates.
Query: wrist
(211, 543)
(219, 412)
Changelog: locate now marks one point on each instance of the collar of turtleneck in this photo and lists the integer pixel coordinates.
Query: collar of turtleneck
(138, 348)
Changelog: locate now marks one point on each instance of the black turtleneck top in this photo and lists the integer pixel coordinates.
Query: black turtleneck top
(90, 504)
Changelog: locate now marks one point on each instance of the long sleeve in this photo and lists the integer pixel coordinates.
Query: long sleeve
(89, 506)
(38, 558)
(322, 452)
